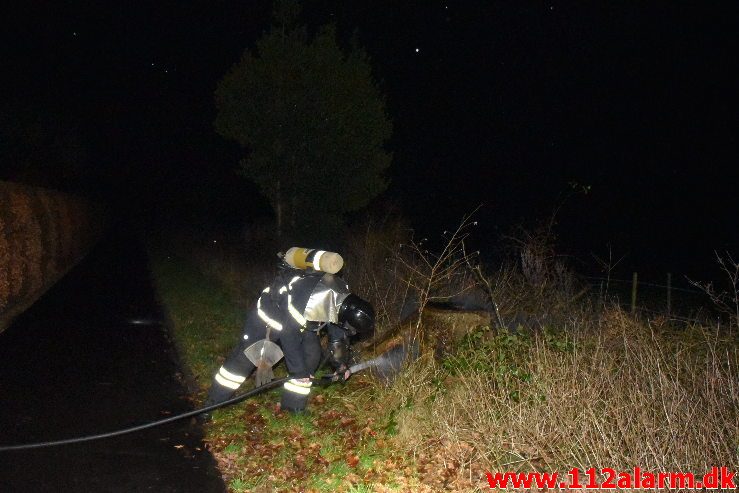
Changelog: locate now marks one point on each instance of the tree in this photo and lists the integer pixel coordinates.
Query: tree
(313, 122)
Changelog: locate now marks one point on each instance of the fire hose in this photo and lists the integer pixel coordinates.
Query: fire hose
(133, 429)
(385, 363)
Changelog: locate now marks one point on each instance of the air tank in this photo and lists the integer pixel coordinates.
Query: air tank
(320, 260)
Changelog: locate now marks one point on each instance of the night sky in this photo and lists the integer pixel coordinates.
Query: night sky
(505, 104)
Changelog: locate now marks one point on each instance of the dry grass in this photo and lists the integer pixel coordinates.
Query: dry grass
(629, 397)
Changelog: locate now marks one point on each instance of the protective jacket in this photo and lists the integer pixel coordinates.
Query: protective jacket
(295, 298)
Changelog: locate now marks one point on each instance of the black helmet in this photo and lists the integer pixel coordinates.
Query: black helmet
(358, 315)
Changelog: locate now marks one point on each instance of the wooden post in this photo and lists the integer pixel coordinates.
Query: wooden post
(669, 293)
(633, 292)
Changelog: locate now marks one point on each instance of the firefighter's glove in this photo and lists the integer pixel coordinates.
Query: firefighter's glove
(342, 374)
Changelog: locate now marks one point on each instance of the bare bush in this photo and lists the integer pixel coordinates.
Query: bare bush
(371, 269)
(607, 266)
(437, 276)
(726, 301)
(401, 275)
(534, 286)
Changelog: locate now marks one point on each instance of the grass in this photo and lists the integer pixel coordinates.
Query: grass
(205, 322)
(590, 389)
(331, 449)
(627, 395)
(335, 448)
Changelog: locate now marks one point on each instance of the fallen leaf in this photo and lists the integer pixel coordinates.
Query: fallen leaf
(369, 432)
(352, 460)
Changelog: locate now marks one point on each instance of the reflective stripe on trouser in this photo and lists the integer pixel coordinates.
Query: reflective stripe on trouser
(295, 395)
(294, 385)
(228, 379)
(235, 369)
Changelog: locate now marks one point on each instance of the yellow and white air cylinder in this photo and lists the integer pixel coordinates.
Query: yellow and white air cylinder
(320, 260)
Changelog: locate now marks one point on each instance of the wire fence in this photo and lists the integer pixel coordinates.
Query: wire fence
(654, 299)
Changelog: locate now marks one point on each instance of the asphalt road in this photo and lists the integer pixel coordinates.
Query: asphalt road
(93, 356)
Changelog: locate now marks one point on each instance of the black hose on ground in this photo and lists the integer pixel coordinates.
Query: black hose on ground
(325, 380)
(189, 414)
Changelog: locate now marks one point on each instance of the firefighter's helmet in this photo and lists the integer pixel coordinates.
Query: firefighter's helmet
(358, 315)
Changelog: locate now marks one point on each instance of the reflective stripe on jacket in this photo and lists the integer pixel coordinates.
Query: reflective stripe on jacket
(282, 307)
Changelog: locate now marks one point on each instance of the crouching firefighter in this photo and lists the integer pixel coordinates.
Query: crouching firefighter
(305, 297)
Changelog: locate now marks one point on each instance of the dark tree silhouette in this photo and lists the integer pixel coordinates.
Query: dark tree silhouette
(312, 120)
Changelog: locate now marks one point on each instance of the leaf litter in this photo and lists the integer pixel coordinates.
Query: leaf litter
(338, 445)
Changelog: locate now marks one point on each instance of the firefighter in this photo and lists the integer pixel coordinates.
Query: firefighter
(305, 297)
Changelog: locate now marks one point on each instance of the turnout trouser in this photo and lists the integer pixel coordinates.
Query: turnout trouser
(237, 367)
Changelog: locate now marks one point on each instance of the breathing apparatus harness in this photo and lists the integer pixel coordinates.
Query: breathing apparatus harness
(305, 262)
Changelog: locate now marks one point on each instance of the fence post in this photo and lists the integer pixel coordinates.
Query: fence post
(633, 292)
(669, 293)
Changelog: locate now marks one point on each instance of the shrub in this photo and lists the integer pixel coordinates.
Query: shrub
(553, 400)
